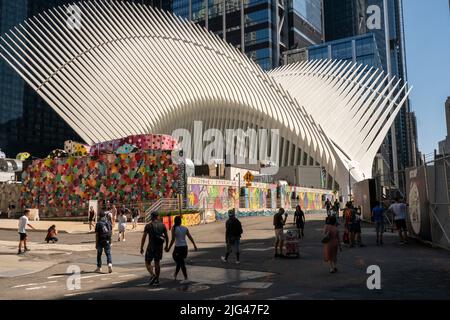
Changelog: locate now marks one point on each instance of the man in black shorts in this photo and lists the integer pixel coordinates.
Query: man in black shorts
(157, 235)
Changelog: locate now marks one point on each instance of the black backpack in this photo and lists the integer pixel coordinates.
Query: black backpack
(105, 230)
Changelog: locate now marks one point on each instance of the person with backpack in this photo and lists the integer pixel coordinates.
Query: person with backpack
(103, 233)
(51, 234)
(328, 206)
(157, 235)
(233, 232)
(179, 234)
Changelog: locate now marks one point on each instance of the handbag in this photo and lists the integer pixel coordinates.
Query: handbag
(326, 239)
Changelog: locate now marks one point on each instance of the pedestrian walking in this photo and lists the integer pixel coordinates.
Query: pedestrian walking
(113, 217)
(122, 220)
(278, 223)
(347, 217)
(103, 233)
(23, 223)
(378, 218)
(135, 217)
(399, 210)
(233, 233)
(299, 221)
(51, 234)
(328, 206)
(180, 252)
(331, 244)
(336, 208)
(157, 235)
(355, 227)
(91, 218)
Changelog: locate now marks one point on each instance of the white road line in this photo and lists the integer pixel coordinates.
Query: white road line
(156, 289)
(128, 275)
(73, 294)
(99, 275)
(285, 297)
(240, 294)
(118, 282)
(33, 284)
(36, 288)
(54, 277)
(142, 284)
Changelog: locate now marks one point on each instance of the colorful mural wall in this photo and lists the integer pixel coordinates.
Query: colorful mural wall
(68, 183)
(221, 195)
(212, 194)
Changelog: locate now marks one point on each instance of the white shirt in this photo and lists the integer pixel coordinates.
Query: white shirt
(123, 219)
(180, 236)
(399, 210)
(23, 221)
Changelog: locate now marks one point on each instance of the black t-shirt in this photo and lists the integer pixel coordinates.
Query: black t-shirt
(155, 230)
(299, 216)
(233, 229)
(278, 221)
(135, 213)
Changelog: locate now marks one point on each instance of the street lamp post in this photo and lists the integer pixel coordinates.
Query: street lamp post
(350, 183)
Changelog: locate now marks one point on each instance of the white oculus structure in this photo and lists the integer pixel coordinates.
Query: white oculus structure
(130, 69)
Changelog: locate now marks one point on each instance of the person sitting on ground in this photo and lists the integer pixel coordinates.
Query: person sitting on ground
(51, 234)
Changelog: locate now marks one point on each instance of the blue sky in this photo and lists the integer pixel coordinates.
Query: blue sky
(427, 31)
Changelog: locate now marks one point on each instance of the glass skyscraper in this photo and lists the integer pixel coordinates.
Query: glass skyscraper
(251, 25)
(348, 18)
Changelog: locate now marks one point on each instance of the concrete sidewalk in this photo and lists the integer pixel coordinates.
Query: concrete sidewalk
(72, 227)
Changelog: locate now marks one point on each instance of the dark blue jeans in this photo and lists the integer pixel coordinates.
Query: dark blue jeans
(106, 245)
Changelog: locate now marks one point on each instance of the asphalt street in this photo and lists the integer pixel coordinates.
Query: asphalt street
(412, 271)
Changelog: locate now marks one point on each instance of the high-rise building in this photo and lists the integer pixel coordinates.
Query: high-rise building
(444, 145)
(27, 123)
(263, 29)
(348, 18)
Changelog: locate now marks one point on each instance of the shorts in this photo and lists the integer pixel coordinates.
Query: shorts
(355, 228)
(300, 225)
(379, 227)
(401, 224)
(279, 235)
(122, 227)
(153, 253)
(22, 236)
(180, 253)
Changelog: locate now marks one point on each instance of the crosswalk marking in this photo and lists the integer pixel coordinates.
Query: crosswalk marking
(33, 284)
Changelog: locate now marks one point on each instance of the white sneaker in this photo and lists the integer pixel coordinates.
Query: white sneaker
(223, 259)
(98, 270)
(110, 268)
(123, 240)
(186, 281)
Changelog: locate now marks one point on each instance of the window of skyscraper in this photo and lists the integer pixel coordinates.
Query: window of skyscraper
(310, 10)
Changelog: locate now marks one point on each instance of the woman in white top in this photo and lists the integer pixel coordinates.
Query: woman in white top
(122, 225)
(180, 252)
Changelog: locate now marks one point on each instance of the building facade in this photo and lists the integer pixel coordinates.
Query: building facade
(27, 123)
(262, 29)
(348, 18)
(203, 89)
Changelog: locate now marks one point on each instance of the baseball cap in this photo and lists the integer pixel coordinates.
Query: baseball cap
(154, 215)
